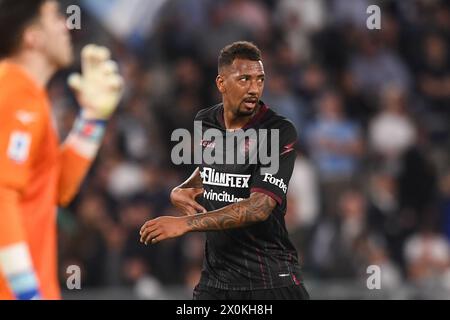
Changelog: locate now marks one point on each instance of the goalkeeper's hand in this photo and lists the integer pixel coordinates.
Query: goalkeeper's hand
(99, 87)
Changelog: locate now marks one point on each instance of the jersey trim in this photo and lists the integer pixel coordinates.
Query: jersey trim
(268, 193)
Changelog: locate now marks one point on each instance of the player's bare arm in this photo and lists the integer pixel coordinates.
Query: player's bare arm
(183, 197)
(253, 210)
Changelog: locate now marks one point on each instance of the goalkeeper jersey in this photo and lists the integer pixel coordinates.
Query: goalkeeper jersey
(35, 175)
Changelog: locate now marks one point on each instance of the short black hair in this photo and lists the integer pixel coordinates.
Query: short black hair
(238, 50)
(15, 16)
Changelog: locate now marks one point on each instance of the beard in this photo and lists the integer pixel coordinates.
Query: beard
(243, 111)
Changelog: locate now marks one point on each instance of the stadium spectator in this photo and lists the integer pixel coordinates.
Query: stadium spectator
(391, 131)
(427, 255)
(336, 146)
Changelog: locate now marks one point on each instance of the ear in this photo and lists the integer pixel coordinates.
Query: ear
(220, 82)
(31, 38)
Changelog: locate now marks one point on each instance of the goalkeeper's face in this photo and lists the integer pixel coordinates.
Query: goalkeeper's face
(54, 38)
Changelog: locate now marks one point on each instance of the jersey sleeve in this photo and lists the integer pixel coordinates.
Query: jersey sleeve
(20, 135)
(77, 155)
(74, 168)
(275, 184)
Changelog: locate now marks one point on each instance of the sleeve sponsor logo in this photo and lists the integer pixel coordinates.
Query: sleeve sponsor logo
(276, 182)
(19, 146)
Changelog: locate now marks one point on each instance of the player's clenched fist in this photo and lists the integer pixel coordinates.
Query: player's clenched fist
(99, 87)
(163, 228)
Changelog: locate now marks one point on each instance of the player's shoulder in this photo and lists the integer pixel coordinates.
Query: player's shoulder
(274, 120)
(15, 90)
(208, 113)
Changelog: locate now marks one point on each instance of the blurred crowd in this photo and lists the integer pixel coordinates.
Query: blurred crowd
(371, 185)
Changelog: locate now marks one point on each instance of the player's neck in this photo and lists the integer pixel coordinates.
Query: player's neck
(36, 66)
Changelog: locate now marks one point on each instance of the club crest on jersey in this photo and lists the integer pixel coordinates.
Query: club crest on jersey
(248, 144)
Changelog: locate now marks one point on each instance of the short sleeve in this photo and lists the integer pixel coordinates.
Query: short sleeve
(275, 183)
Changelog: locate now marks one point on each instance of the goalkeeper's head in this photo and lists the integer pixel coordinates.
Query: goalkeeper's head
(34, 29)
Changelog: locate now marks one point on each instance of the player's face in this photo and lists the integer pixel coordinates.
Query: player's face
(55, 42)
(242, 85)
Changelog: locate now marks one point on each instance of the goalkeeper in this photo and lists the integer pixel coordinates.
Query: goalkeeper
(36, 173)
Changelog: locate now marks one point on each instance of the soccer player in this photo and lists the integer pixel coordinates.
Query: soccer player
(248, 254)
(36, 174)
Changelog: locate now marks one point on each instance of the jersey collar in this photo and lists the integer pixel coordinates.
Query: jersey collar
(252, 122)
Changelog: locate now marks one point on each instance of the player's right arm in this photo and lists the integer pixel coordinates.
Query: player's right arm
(184, 196)
(16, 140)
(257, 208)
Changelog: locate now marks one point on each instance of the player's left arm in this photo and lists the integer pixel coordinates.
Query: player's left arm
(98, 90)
(19, 142)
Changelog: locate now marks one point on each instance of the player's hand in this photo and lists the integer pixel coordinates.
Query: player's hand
(99, 87)
(184, 200)
(163, 228)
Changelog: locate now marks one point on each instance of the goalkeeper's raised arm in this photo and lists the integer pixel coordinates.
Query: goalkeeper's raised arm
(98, 90)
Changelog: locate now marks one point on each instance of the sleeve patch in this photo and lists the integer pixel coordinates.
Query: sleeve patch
(19, 146)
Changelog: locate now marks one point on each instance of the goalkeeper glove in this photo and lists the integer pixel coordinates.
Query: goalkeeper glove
(99, 87)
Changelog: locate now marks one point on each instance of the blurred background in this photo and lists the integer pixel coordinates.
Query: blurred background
(371, 185)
